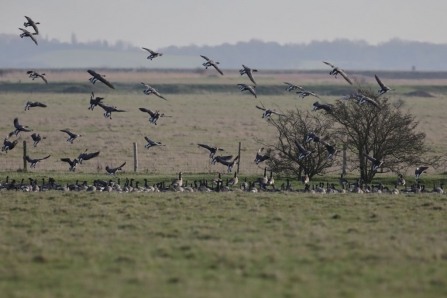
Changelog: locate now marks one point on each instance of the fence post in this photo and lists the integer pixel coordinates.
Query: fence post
(344, 159)
(24, 157)
(239, 160)
(135, 157)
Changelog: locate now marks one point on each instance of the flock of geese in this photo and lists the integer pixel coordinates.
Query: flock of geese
(178, 184)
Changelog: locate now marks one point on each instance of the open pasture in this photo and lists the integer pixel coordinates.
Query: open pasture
(226, 245)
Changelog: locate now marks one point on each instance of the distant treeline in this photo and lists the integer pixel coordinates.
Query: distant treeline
(350, 55)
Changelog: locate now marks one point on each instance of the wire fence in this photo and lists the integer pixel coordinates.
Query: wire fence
(155, 160)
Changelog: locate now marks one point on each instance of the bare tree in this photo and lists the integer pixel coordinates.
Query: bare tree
(381, 130)
(295, 126)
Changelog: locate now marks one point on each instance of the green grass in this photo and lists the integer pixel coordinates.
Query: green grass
(226, 245)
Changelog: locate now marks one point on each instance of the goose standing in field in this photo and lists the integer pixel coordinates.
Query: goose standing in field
(303, 152)
(72, 136)
(8, 145)
(94, 101)
(19, 127)
(98, 77)
(211, 149)
(35, 75)
(319, 106)
(151, 143)
(418, 172)
(371, 101)
(251, 89)
(376, 162)
(32, 104)
(291, 87)
(108, 110)
(229, 164)
(249, 72)
(26, 33)
(233, 181)
(303, 94)
(152, 54)
(383, 88)
(210, 63)
(33, 24)
(177, 182)
(153, 116)
(36, 139)
(259, 157)
(86, 156)
(72, 163)
(338, 71)
(400, 180)
(268, 112)
(150, 90)
(34, 161)
(112, 171)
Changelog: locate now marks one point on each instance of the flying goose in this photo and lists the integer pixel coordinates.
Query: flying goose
(366, 99)
(153, 116)
(86, 156)
(35, 75)
(211, 149)
(26, 33)
(312, 136)
(151, 143)
(31, 104)
(152, 54)
(112, 171)
(210, 63)
(291, 87)
(243, 87)
(8, 145)
(37, 138)
(150, 90)
(32, 24)
(383, 88)
(220, 158)
(268, 112)
(19, 127)
(303, 152)
(94, 101)
(98, 77)
(303, 94)
(319, 106)
(249, 72)
(376, 163)
(338, 71)
(259, 157)
(34, 161)
(177, 182)
(72, 163)
(331, 150)
(72, 136)
(229, 164)
(418, 172)
(109, 110)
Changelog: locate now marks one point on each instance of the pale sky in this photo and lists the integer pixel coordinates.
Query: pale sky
(161, 23)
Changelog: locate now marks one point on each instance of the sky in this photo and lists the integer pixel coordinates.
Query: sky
(162, 23)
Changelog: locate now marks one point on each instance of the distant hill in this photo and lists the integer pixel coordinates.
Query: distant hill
(355, 55)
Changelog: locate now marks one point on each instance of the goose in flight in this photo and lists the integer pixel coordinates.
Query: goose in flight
(33, 24)
(151, 143)
(259, 157)
(26, 33)
(249, 72)
(108, 110)
(20, 127)
(153, 116)
(251, 89)
(112, 171)
(150, 90)
(152, 54)
(34, 161)
(210, 63)
(291, 87)
(33, 104)
(71, 136)
(383, 88)
(94, 101)
(211, 149)
(72, 163)
(86, 156)
(35, 75)
(376, 163)
(98, 77)
(338, 71)
(268, 112)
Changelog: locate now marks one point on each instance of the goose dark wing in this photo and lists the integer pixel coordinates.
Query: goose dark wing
(93, 73)
(261, 108)
(206, 146)
(300, 147)
(330, 64)
(205, 57)
(345, 76)
(66, 160)
(149, 140)
(150, 51)
(44, 157)
(379, 82)
(107, 83)
(217, 68)
(43, 78)
(33, 38)
(370, 157)
(68, 132)
(147, 111)
(16, 123)
(39, 104)
(88, 156)
(158, 94)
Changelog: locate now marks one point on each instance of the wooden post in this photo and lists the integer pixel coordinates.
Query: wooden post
(135, 157)
(344, 159)
(24, 157)
(239, 154)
